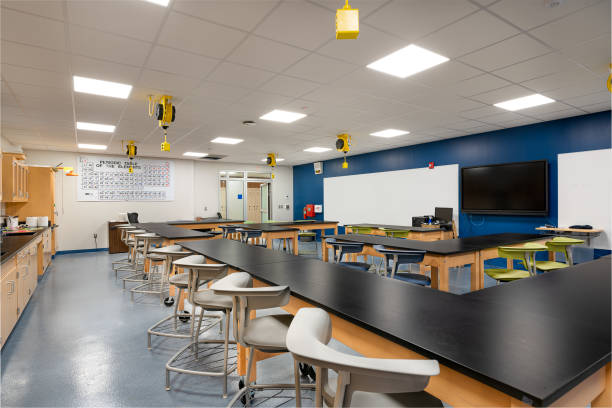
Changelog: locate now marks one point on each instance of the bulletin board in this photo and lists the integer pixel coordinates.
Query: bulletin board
(106, 178)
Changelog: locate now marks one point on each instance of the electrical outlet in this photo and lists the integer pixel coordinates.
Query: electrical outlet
(95, 235)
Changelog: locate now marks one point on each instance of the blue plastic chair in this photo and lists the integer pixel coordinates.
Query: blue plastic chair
(403, 257)
(246, 234)
(341, 248)
(228, 229)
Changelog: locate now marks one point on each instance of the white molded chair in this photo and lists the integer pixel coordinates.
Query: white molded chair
(362, 381)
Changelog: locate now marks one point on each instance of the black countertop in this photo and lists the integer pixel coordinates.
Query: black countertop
(267, 227)
(203, 221)
(534, 339)
(11, 244)
(395, 227)
(171, 232)
(442, 247)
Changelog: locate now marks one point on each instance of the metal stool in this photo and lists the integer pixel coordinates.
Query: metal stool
(201, 273)
(135, 264)
(125, 261)
(142, 243)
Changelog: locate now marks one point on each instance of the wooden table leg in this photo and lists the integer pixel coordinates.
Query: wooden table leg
(443, 276)
(269, 242)
(477, 274)
(324, 252)
(605, 398)
(294, 242)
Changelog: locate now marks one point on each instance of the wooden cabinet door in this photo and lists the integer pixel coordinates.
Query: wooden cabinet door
(23, 269)
(33, 273)
(16, 179)
(9, 298)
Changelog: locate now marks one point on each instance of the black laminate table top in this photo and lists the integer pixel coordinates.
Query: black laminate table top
(11, 244)
(266, 227)
(171, 232)
(395, 227)
(442, 247)
(211, 220)
(525, 342)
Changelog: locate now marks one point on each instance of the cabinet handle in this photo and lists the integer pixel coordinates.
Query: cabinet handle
(12, 285)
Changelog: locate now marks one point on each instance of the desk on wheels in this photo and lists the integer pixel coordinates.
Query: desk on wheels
(415, 233)
(445, 254)
(515, 349)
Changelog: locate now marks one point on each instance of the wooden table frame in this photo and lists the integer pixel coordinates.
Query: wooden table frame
(451, 386)
(203, 225)
(440, 263)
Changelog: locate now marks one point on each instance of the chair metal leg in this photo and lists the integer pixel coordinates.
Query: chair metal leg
(296, 374)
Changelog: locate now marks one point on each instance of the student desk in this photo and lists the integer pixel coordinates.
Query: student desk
(203, 223)
(445, 254)
(416, 233)
(271, 231)
(309, 225)
(173, 234)
(515, 349)
(573, 232)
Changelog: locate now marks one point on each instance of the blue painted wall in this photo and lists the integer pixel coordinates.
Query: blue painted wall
(538, 141)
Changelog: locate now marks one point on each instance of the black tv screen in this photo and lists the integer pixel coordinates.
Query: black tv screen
(505, 189)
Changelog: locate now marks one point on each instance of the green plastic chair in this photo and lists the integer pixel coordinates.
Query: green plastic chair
(525, 254)
(308, 236)
(562, 245)
(392, 233)
(249, 222)
(360, 230)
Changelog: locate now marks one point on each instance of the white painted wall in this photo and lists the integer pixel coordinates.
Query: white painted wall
(196, 188)
(585, 192)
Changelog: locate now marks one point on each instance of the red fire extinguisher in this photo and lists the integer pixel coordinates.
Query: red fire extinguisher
(309, 211)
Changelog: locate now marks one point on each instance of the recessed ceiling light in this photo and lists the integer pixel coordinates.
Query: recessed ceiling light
(227, 140)
(390, 133)
(195, 154)
(163, 3)
(407, 61)
(91, 146)
(95, 127)
(278, 159)
(278, 115)
(99, 87)
(524, 102)
(317, 149)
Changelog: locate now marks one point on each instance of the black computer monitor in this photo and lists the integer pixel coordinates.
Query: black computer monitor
(444, 214)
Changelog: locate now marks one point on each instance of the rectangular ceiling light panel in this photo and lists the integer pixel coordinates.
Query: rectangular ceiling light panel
(524, 102)
(282, 116)
(91, 146)
(226, 140)
(390, 133)
(317, 149)
(95, 127)
(407, 61)
(103, 88)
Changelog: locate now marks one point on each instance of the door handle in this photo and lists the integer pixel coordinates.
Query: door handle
(12, 285)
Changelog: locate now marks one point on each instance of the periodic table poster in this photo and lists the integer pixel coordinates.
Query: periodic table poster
(106, 178)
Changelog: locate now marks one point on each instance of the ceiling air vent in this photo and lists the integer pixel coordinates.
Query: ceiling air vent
(213, 157)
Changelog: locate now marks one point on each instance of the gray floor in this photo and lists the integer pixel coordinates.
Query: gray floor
(82, 342)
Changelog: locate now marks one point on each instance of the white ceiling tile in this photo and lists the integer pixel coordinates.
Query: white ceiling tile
(33, 30)
(445, 74)
(443, 101)
(598, 107)
(288, 86)
(179, 62)
(96, 109)
(104, 70)
(468, 34)
(365, 7)
(13, 73)
(371, 45)
(547, 108)
(507, 52)
(537, 67)
(236, 13)
(502, 94)
(33, 57)
(415, 18)
(44, 8)
(136, 19)
(464, 125)
(577, 89)
(320, 69)
(501, 116)
(528, 14)
(593, 54)
(600, 97)
(299, 23)
(263, 101)
(110, 47)
(265, 54)
(581, 26)
(485, 2)
(195, 35)
(240, 75)
(480, 112)
(560, 80)
(476, 85)
(220, 92)
(559, 114)
(175, 85)
(46, 93)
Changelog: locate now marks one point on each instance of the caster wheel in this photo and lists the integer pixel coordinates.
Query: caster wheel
(312, 374)
(184, 318)
(243, 398)
(145, 277)
(169, 301)
(307, 370)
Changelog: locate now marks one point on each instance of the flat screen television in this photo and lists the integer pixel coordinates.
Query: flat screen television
(507, 189)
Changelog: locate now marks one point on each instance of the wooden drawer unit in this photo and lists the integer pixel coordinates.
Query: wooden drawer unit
(9, 299)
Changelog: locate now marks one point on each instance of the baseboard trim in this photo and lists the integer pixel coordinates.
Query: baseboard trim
(76, 251)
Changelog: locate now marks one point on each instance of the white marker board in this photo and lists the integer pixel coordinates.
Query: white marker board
(107, 178)
(391, 197)
(585, 189)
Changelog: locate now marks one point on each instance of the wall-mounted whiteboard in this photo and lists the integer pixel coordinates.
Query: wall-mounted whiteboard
(391, 197)
(106, 178)
(585, 192)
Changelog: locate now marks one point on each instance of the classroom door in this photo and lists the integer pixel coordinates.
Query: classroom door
(264, 193)
(254, 202)
(235, 199)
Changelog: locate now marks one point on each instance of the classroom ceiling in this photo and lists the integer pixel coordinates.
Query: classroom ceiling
(228, 61)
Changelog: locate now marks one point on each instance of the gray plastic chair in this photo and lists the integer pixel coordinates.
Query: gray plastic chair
(403, 257)
(264, 333)
(362, 381)
(247, 234)
(341, 248)
(200, 273)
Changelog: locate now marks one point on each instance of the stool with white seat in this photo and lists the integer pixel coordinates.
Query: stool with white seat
(123, 228)
(403, 257)
(142, 244)
(264, 333)
(362, 381)
(341, 248)
(201, 273)
(135, 265)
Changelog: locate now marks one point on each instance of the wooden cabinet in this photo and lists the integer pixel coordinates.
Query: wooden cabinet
(9, 298)
(14, 178)
(115, 244)
(47, 248)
